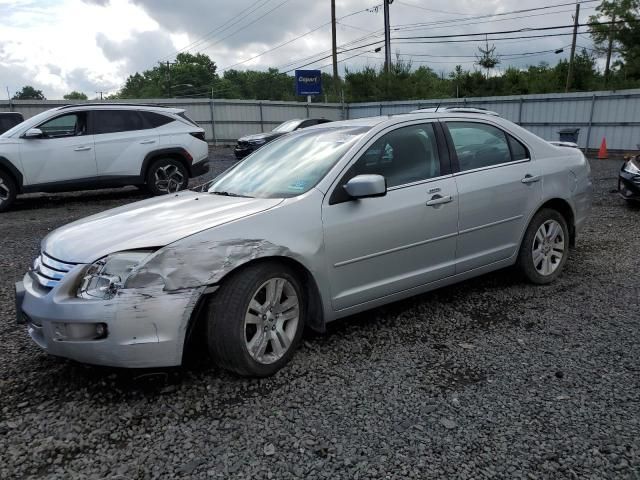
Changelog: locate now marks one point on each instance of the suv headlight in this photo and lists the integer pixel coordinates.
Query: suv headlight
(106, 276)
(258, 141)
(631, 167)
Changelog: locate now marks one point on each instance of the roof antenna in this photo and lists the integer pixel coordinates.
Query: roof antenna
(440, 103)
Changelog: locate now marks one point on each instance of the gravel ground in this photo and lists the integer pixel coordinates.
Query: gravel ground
(492, 378)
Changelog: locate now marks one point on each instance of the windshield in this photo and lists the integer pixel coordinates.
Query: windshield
(288, 126)
(288, 166)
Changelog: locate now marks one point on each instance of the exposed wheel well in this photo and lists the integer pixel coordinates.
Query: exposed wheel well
(315, 313)
(563, 207)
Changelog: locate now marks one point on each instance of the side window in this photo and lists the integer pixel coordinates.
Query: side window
(408, 154)
(479, 145)
(70, 125)
(155, 120)
(113, 121)
(518, 150)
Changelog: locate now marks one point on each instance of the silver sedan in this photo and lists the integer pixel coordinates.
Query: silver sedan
(317, 225)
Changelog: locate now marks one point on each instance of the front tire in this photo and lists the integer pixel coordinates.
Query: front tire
(166, 176)
(256, 320)
(8, 191)
(545, 247)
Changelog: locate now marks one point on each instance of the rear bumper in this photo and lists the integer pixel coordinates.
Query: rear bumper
(144, 327)
(629, 186)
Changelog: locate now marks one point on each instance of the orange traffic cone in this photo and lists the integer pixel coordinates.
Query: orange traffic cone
(602, 153)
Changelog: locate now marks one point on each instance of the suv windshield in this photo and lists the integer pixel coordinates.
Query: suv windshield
(290, 165)
(288, 126)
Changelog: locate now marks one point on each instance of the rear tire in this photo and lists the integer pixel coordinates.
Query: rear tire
(8, 190)
(166, 175)
(256, 320)
(545, 247)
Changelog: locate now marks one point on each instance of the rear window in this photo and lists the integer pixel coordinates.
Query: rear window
(113, 121)
(155, 120)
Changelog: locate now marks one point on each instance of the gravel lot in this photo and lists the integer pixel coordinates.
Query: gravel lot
(492, 378)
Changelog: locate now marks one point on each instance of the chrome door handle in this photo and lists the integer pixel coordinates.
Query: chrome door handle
(147, 142)
(81, 149)
(530, 178)
(439, 200)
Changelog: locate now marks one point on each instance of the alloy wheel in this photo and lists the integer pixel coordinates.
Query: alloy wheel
(271, 320)
(168, 178)
(548, 247)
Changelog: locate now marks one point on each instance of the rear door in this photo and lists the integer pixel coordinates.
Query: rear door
(122, 140)
(380, 246)
(64, 153)
(498, 187)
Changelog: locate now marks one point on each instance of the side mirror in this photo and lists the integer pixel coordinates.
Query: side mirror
(364, 186)
(33, 133)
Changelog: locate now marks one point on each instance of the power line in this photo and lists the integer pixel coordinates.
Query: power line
(293, 39)
(244, 27)
(216, 29)
(501, 14)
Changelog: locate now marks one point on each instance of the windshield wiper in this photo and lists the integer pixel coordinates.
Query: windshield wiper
(230, 194)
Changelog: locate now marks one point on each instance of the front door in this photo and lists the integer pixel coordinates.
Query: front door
(498, 187)
(64, 152)
(380, 246)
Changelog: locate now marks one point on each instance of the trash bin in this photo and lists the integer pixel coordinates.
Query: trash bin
(569, 134)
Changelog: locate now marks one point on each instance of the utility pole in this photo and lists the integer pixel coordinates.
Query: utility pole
(607, 68)
(573, 47)
(336, 79)
(387, 36)
(100, 95)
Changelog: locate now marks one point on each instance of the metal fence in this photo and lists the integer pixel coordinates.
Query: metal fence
(614, 115)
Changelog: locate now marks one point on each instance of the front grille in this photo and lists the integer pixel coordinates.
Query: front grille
(243, 144)
(48, 271)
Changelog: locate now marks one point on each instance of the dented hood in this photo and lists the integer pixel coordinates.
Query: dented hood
(155, 222)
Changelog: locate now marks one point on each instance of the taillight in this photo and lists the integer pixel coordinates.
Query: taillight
(198, 135)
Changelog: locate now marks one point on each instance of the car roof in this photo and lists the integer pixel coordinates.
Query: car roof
(121, 106)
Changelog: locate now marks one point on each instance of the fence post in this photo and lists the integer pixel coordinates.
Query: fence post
(261, 118)
(213, 122)
(380, 109)
(520, 111)
(593, 104)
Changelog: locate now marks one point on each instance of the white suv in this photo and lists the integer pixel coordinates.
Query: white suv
(88, 146)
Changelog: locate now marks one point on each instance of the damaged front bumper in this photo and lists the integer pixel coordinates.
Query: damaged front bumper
(138, 328)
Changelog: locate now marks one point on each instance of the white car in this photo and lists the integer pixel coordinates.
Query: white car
(88, 146)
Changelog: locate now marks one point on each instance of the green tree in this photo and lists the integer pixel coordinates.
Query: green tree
(29, 93)
(75, 96)
(624, 34)
(189, 76)
(487, 58)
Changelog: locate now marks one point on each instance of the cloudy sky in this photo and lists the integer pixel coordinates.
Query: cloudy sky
(93, 45)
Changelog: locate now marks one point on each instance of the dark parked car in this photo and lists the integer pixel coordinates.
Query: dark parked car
(629, 180)
(250, 143)
(9, 120)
